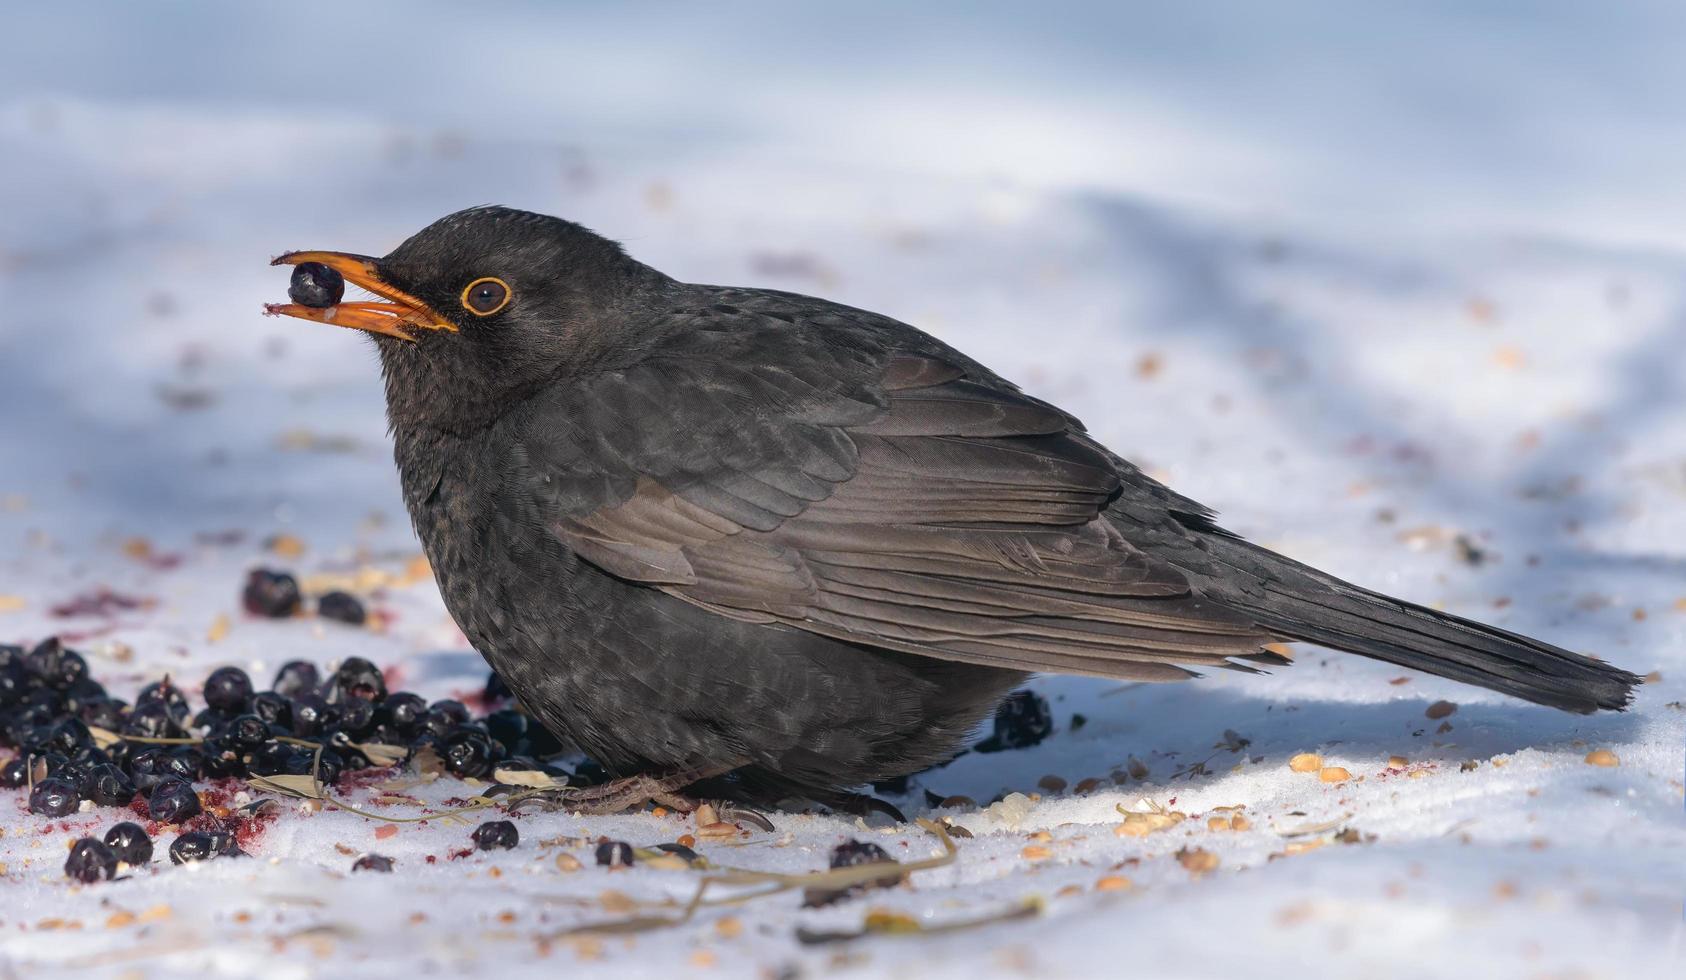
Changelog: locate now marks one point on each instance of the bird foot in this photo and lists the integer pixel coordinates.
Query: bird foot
(632, 792)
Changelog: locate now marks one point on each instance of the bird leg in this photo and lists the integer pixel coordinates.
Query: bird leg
(619, 795)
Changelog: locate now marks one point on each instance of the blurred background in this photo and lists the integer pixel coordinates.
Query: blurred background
(1397, 288)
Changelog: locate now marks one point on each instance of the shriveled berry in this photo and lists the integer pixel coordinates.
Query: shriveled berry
(129, 842)
(51, 664)
(223, 757)
(107, 785)
(54, 797)
(468, 753)
(194, 846)
(358, 678)
(14, 682)
(614, 854)
(248, 731)
(373, 862)
(66, 737)
(296, 677)
(79, 695)
(174, 801)
(342, 607)
(496, 835)
(315, 285)
(90, 860)
(166, 692)
(271, 594)
(444, 716)
(1021, 721)
(851, 853)
(404, 712)
(108, 714)
(273, 707)
(152, 720)
(357, 716)
(228, 689)
(313, 715)
(15, 774)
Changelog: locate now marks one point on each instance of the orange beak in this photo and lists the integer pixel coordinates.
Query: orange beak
(395, 317)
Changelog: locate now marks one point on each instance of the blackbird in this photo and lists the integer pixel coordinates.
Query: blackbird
(777, 547)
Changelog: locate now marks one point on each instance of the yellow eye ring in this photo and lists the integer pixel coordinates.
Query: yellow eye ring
(486, 296)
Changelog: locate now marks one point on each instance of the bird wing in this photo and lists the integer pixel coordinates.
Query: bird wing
(847, 475)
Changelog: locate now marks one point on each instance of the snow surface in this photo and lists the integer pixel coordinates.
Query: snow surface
(1357, 390)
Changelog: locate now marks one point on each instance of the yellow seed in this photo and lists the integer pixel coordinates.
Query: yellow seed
(1333, 774)
(717, 829)
(703, 958)
(1113, 883)
(1306, 762)
(1051, 784)
(1036, 852)
(1396, 762)
(119, 919)
(1217, 823)
(1602, 757)
(1441, 709)
(1418, 773)
(1239, 822)
(567, 863)
(731, 927)
(1197, 860)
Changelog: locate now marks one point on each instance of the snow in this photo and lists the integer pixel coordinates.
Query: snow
(1357, 353)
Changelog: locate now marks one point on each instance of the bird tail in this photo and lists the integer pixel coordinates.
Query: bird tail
(1298, 602)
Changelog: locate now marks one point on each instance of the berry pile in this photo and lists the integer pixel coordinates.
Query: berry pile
(75, 745)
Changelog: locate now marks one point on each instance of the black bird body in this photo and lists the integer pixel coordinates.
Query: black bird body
(699, 528)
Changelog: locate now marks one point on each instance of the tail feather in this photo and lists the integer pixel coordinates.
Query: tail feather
(1300, 603)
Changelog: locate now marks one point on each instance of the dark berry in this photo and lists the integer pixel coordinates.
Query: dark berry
(271, 594)
(373, 862)
(343, 607)
(130, 843)
(357, 717)
(15, 774)
(90, 860)
(404, 712)
(590, 772)
(270, 758)
(248, 731)
(14, 681)
(273, 707)
(679, 851)
(312, 715)
(195, 846)
(67, 737)
(107, 785)
(1021, 721)
(53, 665)
(227, 690)
(165, 692)
(614, 854)
(358, 678)
(107, 714)
(443, 717)
(851, 853)
(54, 797)
(468, 753)
(315, 285)
(296, 677)
(85, 692)
(223, 757)
(225, 843)
(152, 720)
(508, 727)
(174, 801)
(496, 835)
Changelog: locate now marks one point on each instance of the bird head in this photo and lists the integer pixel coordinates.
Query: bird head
(481, 302)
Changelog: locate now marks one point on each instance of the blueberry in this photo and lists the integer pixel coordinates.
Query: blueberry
(227, 690)
(14, 682)
(152, 721)
(358, 678)
(67, 737)
(614, 854)
(90, 860)
(342, 607)
(496, 835)
(83, 693)
(107, 785)
(468, 754)
(590, 772)
(194, 846)
(373, 862)
(273, 707)
(404, 712)
(107, 714)
(315, 285)
(53, 797)
(166, 693)
(53, 665)
(1021, 721)
(174, 801)
(223, 757)
(296, 677)
(271, 594)
(129, 842)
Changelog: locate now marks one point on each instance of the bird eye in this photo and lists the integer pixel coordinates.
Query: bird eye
(483, 297)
